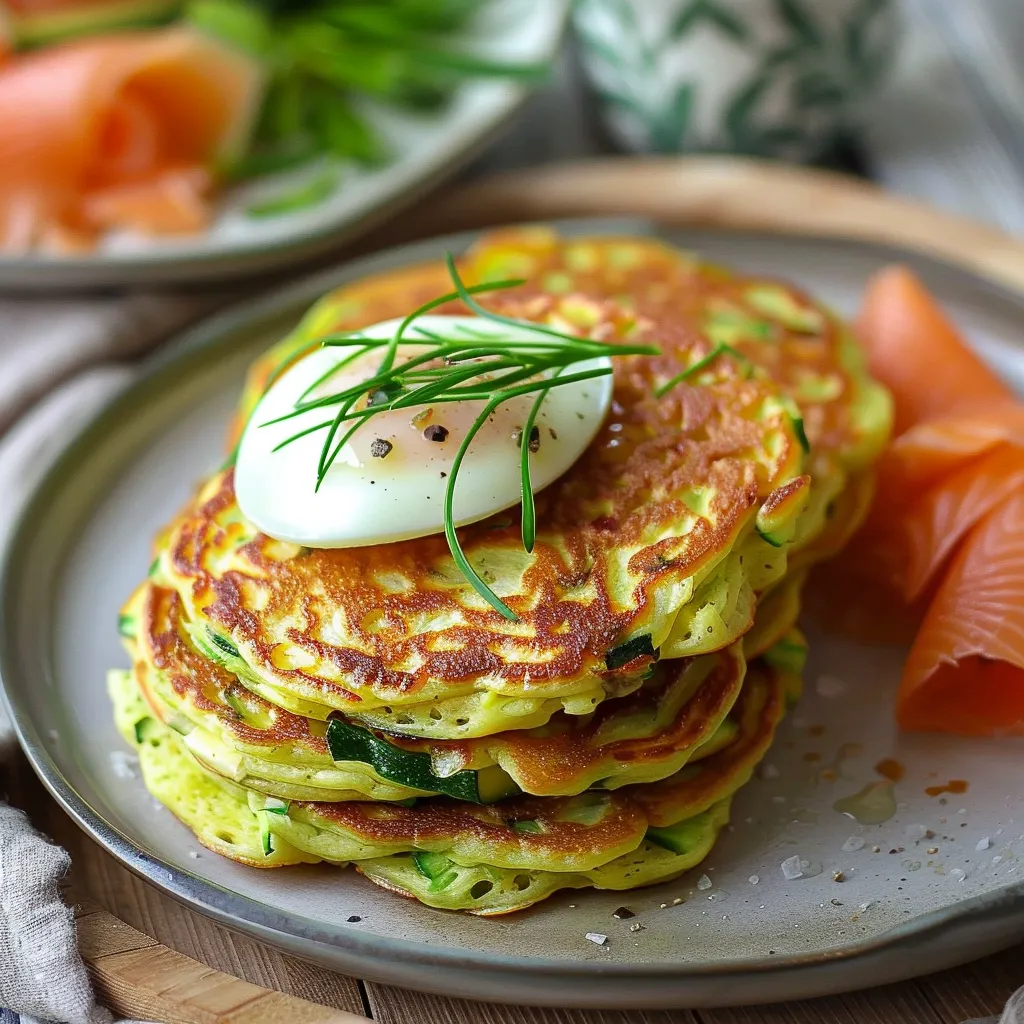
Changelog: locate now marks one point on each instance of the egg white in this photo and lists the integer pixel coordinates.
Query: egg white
(367, 499)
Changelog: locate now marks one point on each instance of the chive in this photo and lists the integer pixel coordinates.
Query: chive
(309, 193)
(259, 164)
(449, 518)
(433, 304)
(322, 56)
(529, 518)
(720, 349)
(466, 64)
(231, 459)
(241, 24)
(483, 367)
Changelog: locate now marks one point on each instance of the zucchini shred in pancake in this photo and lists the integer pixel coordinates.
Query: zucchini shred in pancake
(454, 855)
(366, 705)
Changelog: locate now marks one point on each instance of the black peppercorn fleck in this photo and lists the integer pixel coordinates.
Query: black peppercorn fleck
(380, 448)
(435, 432)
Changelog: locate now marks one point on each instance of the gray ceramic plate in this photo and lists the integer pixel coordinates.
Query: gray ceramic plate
(910, 903)
(427, 148)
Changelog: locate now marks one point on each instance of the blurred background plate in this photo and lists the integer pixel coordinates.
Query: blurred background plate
(426, 148)
(936, 883)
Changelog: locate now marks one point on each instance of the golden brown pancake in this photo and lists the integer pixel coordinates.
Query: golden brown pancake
(438, 850)
(646, 544)
(678, 715)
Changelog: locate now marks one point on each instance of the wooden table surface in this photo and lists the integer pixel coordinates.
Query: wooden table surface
(975, 990)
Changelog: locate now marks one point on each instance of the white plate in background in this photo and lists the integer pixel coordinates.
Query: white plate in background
(425, 148)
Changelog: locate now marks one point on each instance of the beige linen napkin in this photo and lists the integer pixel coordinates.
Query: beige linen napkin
(75, 353)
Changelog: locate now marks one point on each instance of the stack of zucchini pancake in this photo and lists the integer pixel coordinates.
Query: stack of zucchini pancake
(565, 693)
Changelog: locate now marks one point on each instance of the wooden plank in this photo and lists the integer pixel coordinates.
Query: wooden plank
(721, 192)
(980, 989)
(96, 879)
(137, 977)
(893, 1004)
(399, 1006)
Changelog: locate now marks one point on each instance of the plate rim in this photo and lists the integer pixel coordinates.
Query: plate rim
(367, 954)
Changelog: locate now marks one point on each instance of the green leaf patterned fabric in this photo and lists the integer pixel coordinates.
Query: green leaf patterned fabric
(799, 22)
(776, 78)
(710, 11)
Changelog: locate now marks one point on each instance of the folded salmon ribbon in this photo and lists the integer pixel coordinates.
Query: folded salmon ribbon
(945, 537)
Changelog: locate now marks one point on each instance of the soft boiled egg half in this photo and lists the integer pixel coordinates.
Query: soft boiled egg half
(388, 483)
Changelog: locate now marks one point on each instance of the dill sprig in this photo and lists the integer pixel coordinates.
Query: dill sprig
(463, 365)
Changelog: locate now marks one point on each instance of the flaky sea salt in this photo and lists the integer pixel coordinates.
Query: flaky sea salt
(957, 874)
(853, 844)
(915, 832)
(769, 771)
(830, 686)
(753, 879)
(983, 843)
(124, 765)
(704, 882)
(597, 938)
(792, 868)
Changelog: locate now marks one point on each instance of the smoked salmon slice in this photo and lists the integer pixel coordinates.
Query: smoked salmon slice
(126, 111)
(942, 517)
(965, 672)
(946, 534)
(173, 202)
(930, 451)
(920, 356)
